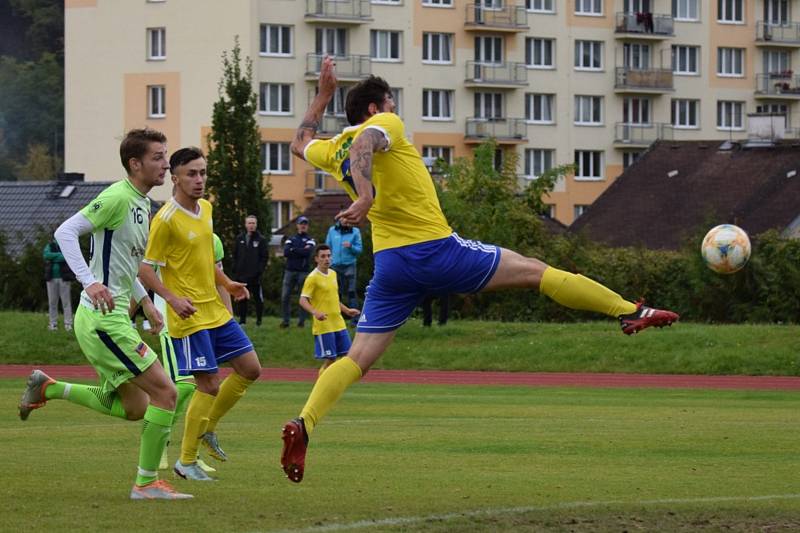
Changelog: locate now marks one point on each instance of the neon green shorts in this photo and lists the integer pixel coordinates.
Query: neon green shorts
(168, 360)
(112, 346)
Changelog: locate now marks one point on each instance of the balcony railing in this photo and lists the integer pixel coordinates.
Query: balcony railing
(645, 23)
(349, 66)
(778, 83)
(654, 79)
(321, 183)
(342, 10)
(503, 74)
(331, 125)
(641, 134)
(502, 129)
(508, 17)
(783, 34)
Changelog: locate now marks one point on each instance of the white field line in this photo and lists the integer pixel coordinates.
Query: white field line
(411, 520)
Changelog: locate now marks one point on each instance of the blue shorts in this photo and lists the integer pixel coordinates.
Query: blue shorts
(331, 345)
(204, 350)
(404, 276)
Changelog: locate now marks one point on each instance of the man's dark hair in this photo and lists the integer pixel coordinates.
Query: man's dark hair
(183, 156)
(320, 247)
(136, 143)
(372, 90)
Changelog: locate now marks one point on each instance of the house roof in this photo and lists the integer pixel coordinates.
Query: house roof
(28, 207)
(677, 187)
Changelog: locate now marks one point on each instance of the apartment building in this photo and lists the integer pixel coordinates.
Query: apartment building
(590, 82)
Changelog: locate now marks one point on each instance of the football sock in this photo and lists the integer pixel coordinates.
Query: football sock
(185, 391)
(328, 389)
(579, 292)
(195, 425)
(155, 432)
(229, 393)
(93, 397)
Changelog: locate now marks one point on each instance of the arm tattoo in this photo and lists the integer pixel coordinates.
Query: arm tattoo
(309, 127)
(363, 164)
(371, 140)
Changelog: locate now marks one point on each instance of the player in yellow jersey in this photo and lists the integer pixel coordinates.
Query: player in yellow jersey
(320, 298)
(204, 334)
(416, 252)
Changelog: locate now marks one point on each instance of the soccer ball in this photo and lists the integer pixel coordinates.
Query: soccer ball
(726, 248)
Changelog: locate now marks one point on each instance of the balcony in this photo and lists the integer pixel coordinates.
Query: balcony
(348, 67)
(339, 11)
(782, 35)
(505, 75)
(508, 18)
(640, 135)
(331, 125)
(778, 86)
(650, 81)
(318, 182)
(503, 130)
(644, 26)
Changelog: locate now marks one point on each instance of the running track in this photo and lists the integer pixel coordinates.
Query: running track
(446, 377)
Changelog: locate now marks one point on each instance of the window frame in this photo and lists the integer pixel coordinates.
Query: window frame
(596, 104)
(264, 40)
(445, 96)
(265, 147)
(530, 46)
(438, 152)
(263, 99)
(427, 43)
(161, 91)
(440, 4)
(374, 44)
(694, 103)
(530, 161)
(676, 49)
(531, 108)
(726, 58)
(279, 206)
(721, 116)
(600, 164)
(687, 3)
(722, 11)
(580, 44)
(580, 6)
(162, 43)
(544, 10)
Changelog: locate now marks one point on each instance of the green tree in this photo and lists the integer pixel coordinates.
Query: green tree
(235, 180)
(40, 164)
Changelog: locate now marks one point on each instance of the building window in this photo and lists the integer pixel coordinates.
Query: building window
(779, 109)
(336, 106)
(384, 45)
(588, 55)
(686, 10)
(389, 2)
(539, 108)
(437, 3)
(730, 11)
(276, 40)
(281, 214)
(776, 11)
(157, 43)
(629, 158)
(685, 113)
(684, 60)
(636, 56)
(488, 105)
(489, 50)
(540, 6)
(275, 99)
(730, 115)
(588, 110)
(775, 61)
(637, 6)
(589, 7)
(276, 157)
(438, 153)
(539, 53)
(437, 48)
(331, 41)
(538, 161)
(636, 110)
(156, 101)
(588, 164)
(397, 96)
(436, 104)
(730, 62)
(579, 209)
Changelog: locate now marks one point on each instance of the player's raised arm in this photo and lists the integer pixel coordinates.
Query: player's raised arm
(308, 128)
(365, 145)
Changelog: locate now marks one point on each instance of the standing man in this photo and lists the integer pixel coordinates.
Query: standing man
(345, 244)
(59, 280)
(297, 250)
(133, 384)
(249, 262)
(204, 334)
(416, 251)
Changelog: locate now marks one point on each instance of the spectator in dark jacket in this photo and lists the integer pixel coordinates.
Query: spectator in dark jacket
(249, 261)
(298, 251)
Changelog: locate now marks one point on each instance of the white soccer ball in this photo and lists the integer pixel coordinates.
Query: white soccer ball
(726, 248)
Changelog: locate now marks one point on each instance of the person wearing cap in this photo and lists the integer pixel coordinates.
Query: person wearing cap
(298, 251)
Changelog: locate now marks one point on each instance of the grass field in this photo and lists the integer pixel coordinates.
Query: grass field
(686, 348)
(432, 458)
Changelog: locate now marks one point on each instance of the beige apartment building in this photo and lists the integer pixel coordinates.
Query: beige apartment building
(593, 82)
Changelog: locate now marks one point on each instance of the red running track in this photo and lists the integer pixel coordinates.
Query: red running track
(449, 377)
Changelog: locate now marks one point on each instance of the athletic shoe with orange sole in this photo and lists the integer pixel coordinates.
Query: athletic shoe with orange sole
(33, 397)
(295, 444)
(157, 490)
(645, 317)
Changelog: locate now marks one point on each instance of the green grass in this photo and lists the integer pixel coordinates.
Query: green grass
(432, 458)
(686, 348)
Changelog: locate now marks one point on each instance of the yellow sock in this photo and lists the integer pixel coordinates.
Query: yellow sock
(328, 389)
(229, 393)
(579, 292)
(195, 423)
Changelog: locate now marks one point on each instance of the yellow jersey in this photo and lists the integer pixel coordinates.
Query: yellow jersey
(406, 209)
(181, 244)
(323, 292)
